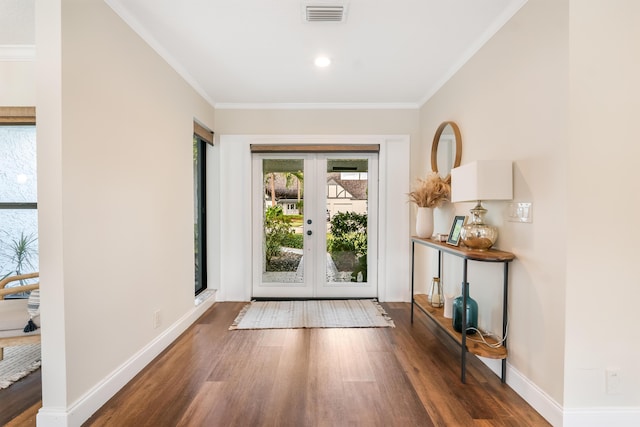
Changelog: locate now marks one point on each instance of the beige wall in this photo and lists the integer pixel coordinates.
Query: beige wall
(510, 101)
(17, 83)
(602, 279)
(318, 122)
(115, 127)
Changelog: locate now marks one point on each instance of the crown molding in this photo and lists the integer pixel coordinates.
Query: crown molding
(317, 106)
(9, 52)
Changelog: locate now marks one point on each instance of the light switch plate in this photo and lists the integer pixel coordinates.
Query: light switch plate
(521, 212)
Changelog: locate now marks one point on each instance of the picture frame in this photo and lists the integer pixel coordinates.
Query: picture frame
(456, 228)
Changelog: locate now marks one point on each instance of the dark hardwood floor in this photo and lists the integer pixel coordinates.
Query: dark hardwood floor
(20, 398)
(403, 376)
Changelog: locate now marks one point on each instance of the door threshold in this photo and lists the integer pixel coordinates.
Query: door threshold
(311, 299)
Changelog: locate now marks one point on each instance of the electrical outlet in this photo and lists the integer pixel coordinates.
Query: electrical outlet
(613, 380)
(157, 319)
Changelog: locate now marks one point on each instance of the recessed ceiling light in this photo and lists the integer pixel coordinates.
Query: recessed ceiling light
(322, 61)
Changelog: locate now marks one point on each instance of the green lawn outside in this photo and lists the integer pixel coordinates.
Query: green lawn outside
(296, 220)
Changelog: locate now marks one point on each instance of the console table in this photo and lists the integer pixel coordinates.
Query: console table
(437, 314)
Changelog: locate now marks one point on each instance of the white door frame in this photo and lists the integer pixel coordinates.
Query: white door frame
(314, 283)
(234, 207)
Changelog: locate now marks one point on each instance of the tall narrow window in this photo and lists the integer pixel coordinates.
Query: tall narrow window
(18, 192)
(201, 138)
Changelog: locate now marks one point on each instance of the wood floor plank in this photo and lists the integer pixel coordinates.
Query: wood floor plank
(20, 397)
(287, 404)
(353, 360)
(272, 337)
(365, 408)
(403, 376)
(433, 375)
(394, 386)
(246, 392)
(325, 388)
(206, 405)
(26, 418)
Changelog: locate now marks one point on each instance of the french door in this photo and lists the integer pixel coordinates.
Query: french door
(315, 225)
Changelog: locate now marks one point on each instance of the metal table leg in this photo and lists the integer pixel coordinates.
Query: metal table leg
(505, 320)
(413, 262)
(465, 292)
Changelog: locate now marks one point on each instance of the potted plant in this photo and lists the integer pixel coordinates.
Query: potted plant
(430, 192)
(22, 255)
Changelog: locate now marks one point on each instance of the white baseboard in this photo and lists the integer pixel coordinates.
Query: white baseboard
(558, 416)
(530, 392)
(79, 411)
(596, 417)
(535, 396)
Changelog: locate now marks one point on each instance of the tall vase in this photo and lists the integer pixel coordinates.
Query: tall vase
(424, 222)
(472, 313)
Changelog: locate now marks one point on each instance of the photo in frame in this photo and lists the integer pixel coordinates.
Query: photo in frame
(456, 228)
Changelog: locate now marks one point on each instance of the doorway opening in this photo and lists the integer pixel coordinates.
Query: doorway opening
(315, 225)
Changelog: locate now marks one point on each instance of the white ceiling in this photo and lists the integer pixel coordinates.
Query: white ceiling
(244, 53)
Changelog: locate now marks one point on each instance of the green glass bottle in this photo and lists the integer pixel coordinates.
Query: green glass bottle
(472, 313)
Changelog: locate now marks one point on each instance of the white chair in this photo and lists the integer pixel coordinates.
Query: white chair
(14, 315)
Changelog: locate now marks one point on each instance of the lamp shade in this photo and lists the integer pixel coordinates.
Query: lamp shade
(482, 180)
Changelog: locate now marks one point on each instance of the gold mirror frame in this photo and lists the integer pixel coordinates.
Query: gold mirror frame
(436, 142)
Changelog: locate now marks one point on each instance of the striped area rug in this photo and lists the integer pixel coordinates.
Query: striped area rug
(19, 361)
(312, 314)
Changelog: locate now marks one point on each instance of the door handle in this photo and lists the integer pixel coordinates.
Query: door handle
(309, 232)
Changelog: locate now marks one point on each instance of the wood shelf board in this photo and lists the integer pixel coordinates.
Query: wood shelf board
(477, 348)
(491, 255)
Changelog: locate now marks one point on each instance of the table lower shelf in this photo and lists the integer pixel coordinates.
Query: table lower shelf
(476, 347)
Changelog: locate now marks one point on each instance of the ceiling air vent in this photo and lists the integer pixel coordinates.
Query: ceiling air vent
(324, 13)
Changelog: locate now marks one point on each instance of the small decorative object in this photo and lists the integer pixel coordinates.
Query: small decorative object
(429, 193)
(33, 307)
(456, 228)
(424, 222)
(441, 237)
(472, 313)
(477, 181)
(448, 306)
(436, 296)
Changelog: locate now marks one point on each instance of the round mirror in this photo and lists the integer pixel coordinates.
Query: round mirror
(446, 150)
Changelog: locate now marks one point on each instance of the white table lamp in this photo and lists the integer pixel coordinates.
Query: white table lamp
(477, 181)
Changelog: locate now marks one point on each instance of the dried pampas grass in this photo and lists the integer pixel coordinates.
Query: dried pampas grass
(430, 192)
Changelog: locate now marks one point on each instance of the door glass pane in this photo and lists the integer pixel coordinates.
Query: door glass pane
(283, 206)
(347, 222)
